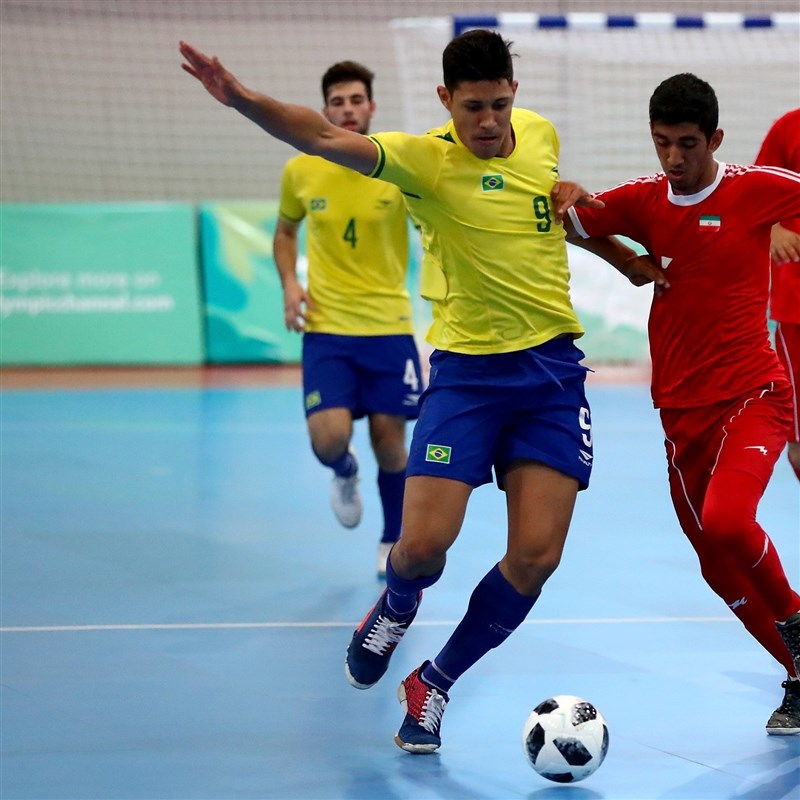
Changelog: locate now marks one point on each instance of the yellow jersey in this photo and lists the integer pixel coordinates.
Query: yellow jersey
(494, 259)
(357, 248)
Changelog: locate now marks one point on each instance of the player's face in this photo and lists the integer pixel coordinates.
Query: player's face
(348, 106)
(686, 155)
(481, 112)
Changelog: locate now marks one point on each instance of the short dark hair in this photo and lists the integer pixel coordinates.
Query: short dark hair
(685, 98)
(345, 71)
(477, 55)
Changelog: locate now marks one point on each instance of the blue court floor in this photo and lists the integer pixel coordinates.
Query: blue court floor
(177, 598)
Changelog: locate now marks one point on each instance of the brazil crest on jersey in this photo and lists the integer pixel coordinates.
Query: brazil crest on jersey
(357, 246)
(494, 261)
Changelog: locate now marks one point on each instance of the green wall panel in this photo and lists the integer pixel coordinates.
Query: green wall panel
(99, 284)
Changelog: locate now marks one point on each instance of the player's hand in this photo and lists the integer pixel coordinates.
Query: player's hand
(296, 305)
(566, 194)
(219, 83)
(641, 270)
(784, 245)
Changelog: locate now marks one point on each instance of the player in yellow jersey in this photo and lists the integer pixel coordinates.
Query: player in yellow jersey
(506, 389)
(359, 354)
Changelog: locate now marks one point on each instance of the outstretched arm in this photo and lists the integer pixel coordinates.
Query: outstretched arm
(301, 127)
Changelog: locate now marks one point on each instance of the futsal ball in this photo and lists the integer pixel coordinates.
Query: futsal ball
(565, 739)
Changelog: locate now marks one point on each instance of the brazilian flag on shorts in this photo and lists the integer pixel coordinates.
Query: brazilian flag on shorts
(438, 453)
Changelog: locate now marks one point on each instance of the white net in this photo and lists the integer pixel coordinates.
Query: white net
(94, 106)
(594, 85)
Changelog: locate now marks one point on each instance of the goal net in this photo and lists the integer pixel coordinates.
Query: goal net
(592, 75)
(95, 108)
(594, 82)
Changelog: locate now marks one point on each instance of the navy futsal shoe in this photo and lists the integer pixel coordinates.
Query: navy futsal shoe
(373, 643)
(424, 707)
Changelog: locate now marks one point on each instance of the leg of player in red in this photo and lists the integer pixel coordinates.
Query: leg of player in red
(720, 460)
(787, 343)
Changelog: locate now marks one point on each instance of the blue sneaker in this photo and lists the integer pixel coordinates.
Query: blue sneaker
(372, 645)
(424, 707)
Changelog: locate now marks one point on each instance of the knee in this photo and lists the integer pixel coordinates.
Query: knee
(412, 557)
(390, 459)
(728, 517)
(329, 445)
(390, 450)
(528, 571)
(724, 523)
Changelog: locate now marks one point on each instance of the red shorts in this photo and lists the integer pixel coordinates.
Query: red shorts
(747, 434)
(787, 343)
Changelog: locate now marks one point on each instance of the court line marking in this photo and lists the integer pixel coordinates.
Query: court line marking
(178, 626)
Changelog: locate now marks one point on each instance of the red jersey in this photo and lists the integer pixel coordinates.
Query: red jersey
(781, 148)
(708, 332)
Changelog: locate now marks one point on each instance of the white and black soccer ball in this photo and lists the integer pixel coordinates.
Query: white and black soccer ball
(565, 739)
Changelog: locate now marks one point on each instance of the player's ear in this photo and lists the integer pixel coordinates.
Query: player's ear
(716, 139)
(444, 97)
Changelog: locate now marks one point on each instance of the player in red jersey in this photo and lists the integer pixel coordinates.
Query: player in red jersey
(781, 148)
(723, 395)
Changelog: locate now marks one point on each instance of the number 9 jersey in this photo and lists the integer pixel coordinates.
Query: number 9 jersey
(494, 262)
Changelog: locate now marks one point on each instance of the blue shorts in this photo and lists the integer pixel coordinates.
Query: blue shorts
(488, 411)
(365, 374)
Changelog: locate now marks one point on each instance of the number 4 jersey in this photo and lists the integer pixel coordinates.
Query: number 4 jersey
(708, 332)
(357, 247)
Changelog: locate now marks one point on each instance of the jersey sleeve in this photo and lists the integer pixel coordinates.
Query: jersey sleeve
(618, 217)
(774, 195)
(290, 205)
(405, 161)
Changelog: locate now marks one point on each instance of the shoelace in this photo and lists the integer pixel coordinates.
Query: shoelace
(791, 635)
(432, 709)
(385, 633)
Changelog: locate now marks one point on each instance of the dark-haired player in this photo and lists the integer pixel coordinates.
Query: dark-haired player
(723, 396)
(359, 354)
(507, 386)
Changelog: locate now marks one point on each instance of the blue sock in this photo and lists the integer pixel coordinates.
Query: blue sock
(391, 486)
(495, 610)
(402, 595)
(344, 466)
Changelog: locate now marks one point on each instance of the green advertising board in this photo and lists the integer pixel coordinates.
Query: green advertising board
(244, 300)
(243, 296)
(99, 284)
